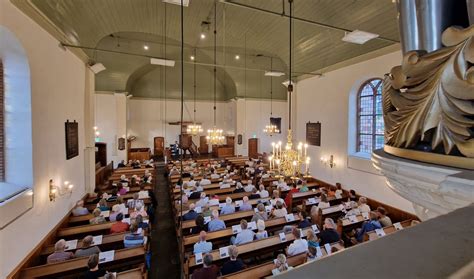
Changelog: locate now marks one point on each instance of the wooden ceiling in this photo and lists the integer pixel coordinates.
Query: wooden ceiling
(253, 29)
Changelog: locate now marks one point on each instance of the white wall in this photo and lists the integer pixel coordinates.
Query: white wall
(326, 99)
(252, 116)
(111, 122)
(58, 93)
(149, 118)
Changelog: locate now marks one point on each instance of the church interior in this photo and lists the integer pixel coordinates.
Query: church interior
(236, 139)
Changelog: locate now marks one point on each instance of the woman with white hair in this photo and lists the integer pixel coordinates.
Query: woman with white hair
(262, 192)
(261, 232)
(139, 210)
(203, 200)
(114, 213)
(280, 264)
(79, 209)
(59, 254)
(228, 208)
(239, 188)
(216, 224)
(354, 210)
(123, 179)
(363, 207)
(261, 214)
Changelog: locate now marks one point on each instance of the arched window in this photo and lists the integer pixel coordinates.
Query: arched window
(370, 126)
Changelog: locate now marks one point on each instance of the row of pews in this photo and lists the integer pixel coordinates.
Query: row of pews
(127, 263)
(259, 254)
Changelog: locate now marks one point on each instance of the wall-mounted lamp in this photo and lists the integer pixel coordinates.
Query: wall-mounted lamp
(330, 162)
(55, 190)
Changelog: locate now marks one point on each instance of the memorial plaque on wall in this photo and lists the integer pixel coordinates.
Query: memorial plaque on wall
(72, 139)
(313, 133)
(277, 122)
(239, 139)
(121, 144)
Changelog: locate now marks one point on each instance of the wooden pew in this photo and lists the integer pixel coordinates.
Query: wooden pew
(388, 230)
(79, 265)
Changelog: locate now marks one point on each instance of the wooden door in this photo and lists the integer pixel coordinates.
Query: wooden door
(230, 141)
(101, 153)
(253, 148)
(203, 146)
(159, 146)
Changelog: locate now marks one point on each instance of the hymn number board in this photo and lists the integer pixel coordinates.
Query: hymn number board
(72, 139)
(313, 133)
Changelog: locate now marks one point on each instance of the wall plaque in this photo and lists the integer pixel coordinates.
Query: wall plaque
(277, 122)
(313, 133)
(239, 139)
(72, 139)
(121, 144)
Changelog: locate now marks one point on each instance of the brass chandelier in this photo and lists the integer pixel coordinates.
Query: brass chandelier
(194, 129)
(290, 162)
(215, 136)
(271, 129)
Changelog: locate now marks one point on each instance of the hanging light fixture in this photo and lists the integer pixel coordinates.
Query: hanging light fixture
(194, 129)
(271, 129)
(290, 162)
(215, 136)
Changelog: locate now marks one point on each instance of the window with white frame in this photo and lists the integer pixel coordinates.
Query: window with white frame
(370, 125)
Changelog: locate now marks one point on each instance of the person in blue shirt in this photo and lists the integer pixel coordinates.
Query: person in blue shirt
(191, 214)
(368, 226)
(245, 204)
(228, 208)
(133, 239)
(245, 236)
(215, 224)
(202, 246)
(304, 223)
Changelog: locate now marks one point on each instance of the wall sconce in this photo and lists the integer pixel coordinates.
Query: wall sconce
(329, 162)
(55, 190)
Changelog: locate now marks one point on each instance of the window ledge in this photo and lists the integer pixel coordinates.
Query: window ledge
(361, 162)
(361, 155)
(15, 200)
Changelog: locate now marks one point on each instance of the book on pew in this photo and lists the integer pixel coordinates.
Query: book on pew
(213, 202)
(327, 247)
(311, 201)
(124, 211)
(207, 219)
(380, 232)
(198, 209)
(224, 252)
(105, 214)
(282, 237)
(238, 203)
(398, 226)
(221, 205)
(365, 215)
(126, 220)
(252, 225)
(198, 258)
(268, 208)
(353, 218)
(97, 240)
(315, 229)
(289, 217)
(319, 253)
(338, 196)
(71, 245)
(106, 256)
(236, 229)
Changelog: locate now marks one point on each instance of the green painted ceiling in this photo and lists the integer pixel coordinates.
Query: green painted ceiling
(118, 30)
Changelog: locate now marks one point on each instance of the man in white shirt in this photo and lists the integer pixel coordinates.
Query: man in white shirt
(245, 204)
(214, 175)
(204, 181)
(363, 207)
(276, 198)
(299, 245)
(191, 182)
(263, 193)
(245, 236)
(249, 187)
(202, 246)
(198, 187)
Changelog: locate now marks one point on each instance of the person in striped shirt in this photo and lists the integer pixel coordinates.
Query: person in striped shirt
(134, 238)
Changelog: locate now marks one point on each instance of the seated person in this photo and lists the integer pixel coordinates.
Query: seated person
(299, 245)
(254, 195)
(121, 164)
(112, 198)
(121, 190)
(363, 206)
(261, 232)
(249, 187)
(140, 223)
(261, 214)
(329, 233)
(312, 254)
(245, 235)
(323, 203)
(119, 226)
(202, 246)
(280, 264)
(121, 204)
(199, 187)
(123, 179)
(368, 226)
(191, 182)
(262, 192)
(195, 194)
(132, 203)
(103, 206)
(384, 220)
(97, 219)
(93, 271)
(200, 225)
(278, 211)
(87, 250)
(352, 195)
(216, 224)
(203, 200)
(115, 211)
(312, 239)
(147, 178)
(208, 270)
(79, 209)
(228, 208)
(205, 181)
(139, 210)
(174, 171)
(233, 264)
(191, 214)
(304, 223)
(354, 211)
(215, 175)
(206, 211)
(276, 198)
(59, 254)
(133, 238)
(239, 188)
(338, 189)
(303, 187)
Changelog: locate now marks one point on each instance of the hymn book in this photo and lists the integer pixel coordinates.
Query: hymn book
(106, 256)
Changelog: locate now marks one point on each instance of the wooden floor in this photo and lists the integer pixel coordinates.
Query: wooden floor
(164, 243)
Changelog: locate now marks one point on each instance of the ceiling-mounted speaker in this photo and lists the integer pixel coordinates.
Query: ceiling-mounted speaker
(97, 67)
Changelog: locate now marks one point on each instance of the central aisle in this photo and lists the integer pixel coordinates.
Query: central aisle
(164, 246)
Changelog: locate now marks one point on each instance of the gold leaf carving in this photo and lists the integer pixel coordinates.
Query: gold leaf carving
(433, 92)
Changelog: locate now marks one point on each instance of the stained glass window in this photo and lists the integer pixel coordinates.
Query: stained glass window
(370, 126)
